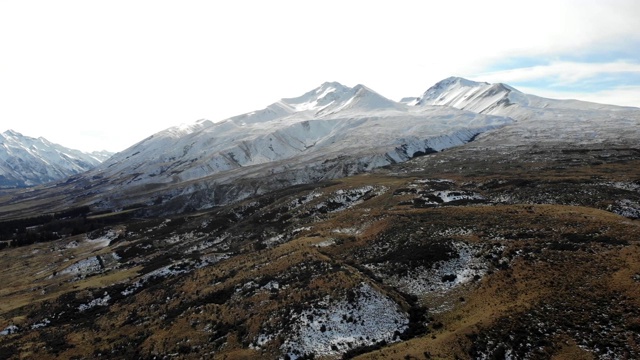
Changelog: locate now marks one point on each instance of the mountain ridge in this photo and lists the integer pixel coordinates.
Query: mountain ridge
(28, 161)
(334, 131)
(471, 95)
(333, 123)
(538, 120)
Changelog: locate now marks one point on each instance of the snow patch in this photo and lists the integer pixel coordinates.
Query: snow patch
(449, 196)
(41, 324)
(208, 243)
(84, 267)
(325, 243)
(630, 186)
(11, 329)
(102, 301)
(347, 231)
(331, 327)
(442, 276)
(346, 199)
(166, 271)
(627, 208)
(104, 240)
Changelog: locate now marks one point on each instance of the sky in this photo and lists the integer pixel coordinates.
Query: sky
(103, 75)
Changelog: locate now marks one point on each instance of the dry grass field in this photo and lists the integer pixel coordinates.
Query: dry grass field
(458, 255)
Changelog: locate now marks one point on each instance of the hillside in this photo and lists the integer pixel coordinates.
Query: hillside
(447, 255)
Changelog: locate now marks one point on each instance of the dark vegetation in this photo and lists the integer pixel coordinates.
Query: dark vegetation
(417, 319)
(351, 353)
(49, 227)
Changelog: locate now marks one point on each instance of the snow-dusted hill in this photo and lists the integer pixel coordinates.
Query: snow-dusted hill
(485, 98)
(330, 122)
(537, 119)
(27, 161)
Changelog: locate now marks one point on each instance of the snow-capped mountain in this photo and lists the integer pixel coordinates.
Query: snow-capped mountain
(27, 161)
(353, 129)
(537, 119)
(335, 131)
(537, 211)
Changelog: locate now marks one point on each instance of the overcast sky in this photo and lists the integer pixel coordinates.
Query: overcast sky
(96, 75)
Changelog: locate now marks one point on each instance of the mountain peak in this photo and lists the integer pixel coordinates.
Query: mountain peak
(318, 98)
(447, 85)
(461, 81)
(332, 97)
(461, 93)
(11, 132)
(364, 98)
(328, 84)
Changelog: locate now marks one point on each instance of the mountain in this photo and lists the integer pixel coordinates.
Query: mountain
(486, 98)
(101, 155)
(249, 238)
(538, 120)
(329, 132)
(27, 161)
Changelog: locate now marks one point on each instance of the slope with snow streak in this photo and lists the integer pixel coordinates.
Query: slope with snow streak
(468, 95)
(27, 161)
(538, 120)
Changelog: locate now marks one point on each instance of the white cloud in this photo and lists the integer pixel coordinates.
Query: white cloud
(623, 95)
(561, 72)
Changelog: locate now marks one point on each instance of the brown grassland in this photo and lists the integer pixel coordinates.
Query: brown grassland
(560, 272)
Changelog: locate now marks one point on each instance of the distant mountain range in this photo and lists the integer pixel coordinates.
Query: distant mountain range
(27, 161)
(331, 132)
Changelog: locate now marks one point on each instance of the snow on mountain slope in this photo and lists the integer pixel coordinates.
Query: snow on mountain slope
(482, 97)
(538, 119)
(335, 131)
(319, 98)
(101, 156)
(328, 122)
(332, 97)
(465, 94)
(27, 161)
